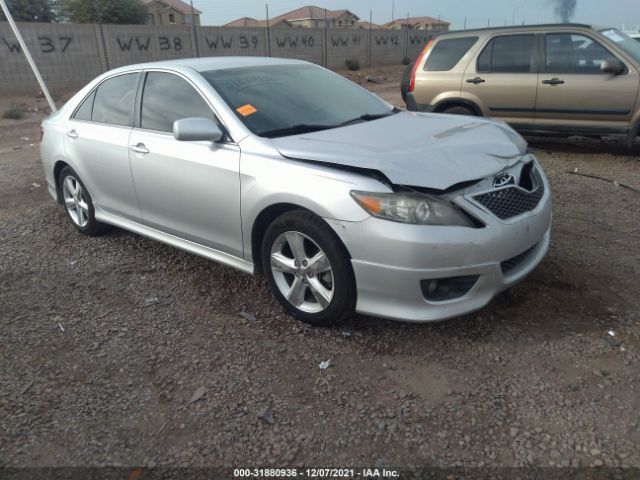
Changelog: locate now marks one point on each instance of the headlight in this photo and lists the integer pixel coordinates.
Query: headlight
(411, 208)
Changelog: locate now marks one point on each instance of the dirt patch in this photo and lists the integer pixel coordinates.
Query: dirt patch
(104, 342)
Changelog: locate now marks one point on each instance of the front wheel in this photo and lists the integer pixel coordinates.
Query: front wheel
(308, 269)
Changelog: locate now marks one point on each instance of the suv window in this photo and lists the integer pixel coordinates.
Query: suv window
(114, 100)
(85, 109)
(509, 54)
(447, 53)
(573, 53)
(167, 98)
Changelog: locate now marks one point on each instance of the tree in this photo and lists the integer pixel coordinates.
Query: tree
(104, 11)
(31, 11)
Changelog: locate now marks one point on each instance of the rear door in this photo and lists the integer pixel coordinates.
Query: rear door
(187, 189)
(504, 78)
(97, 143)
(574, 93)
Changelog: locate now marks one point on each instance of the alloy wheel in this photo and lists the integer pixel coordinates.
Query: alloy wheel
(75, 201)
(302, 272)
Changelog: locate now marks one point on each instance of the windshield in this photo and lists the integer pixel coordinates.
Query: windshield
(626, 43)
(279, 100)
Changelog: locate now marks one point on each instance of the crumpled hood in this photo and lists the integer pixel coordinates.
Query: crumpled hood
(414, 149)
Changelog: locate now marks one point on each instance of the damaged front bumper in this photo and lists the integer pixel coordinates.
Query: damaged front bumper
(395, 264)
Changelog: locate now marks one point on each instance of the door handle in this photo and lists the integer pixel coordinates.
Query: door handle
(553, 81)
(72, 134)
(476, 80)
(139, 148)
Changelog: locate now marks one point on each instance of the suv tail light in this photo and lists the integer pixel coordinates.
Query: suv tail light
(41, 133)
(412, 79)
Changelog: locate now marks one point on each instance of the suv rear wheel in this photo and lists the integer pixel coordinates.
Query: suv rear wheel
(458, 110)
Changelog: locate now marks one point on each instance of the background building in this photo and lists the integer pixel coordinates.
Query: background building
(171, 12)
(419, 23)
(309, 17)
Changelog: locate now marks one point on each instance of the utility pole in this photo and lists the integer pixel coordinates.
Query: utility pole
(370, 34)
(325, 49)
(465, 23)
(393, 10)
(27, 54)
(268, 32)
(193, 27)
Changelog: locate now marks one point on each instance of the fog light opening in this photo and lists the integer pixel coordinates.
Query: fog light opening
(441, 289)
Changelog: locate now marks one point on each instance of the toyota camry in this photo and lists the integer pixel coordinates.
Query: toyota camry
(283, 168)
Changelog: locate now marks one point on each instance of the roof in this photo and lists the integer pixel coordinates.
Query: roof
(252, 22)
(203, 64)
(178, 5)
(312, 13)
(368, 25)
(418, 20)
(541, 26)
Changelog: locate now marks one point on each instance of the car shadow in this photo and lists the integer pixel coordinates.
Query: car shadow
(582, 145)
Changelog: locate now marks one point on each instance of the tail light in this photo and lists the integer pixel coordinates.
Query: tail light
(412, 79)
(41, 133)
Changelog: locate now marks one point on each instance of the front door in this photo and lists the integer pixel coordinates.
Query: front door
(574, 93)
(187, 189)
(504, 79)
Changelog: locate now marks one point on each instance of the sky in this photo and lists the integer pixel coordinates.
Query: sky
(477, 12)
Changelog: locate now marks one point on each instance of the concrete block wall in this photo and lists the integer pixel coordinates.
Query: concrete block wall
(127, 44)
(343, 45)
(66, 55)
(301, 43)
(70, 55)
(218, 41)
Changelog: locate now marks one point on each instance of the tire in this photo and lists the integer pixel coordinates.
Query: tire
(404, 83)
(319, 296)
(78, 204)
(459, 110)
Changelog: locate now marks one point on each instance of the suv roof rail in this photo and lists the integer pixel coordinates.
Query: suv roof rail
(515, 27)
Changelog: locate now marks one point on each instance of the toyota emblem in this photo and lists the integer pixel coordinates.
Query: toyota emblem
(503, 179)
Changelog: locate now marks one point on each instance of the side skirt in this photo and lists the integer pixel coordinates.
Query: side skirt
(186, 245)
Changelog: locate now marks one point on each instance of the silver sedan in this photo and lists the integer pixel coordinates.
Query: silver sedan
(280, 167)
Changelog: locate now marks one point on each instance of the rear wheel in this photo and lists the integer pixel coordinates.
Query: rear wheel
(78, 203)
(308, 269)
(459, 110)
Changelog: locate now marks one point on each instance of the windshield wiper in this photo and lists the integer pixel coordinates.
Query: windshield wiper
(295, 129)
(370, 116)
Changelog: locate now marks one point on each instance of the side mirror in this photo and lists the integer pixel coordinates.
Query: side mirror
(613, 66)
(197, 129)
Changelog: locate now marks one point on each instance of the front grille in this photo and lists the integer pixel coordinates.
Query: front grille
(511, 201)
(513, 262)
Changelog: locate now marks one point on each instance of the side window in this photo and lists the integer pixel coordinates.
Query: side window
(167, 98)
(509, 54)
(114, 100)
(573, 53)
(447, 53)
(86, 108)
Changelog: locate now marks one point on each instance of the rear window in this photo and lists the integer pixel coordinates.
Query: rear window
(85, 110)
(114, 100)
(447, 53)
(509, 54)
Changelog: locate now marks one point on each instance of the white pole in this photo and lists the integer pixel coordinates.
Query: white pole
(23, 45)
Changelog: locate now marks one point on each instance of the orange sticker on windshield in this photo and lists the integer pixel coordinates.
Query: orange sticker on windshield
(246, 110)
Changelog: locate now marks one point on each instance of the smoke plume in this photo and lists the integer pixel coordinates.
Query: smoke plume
(565, 9)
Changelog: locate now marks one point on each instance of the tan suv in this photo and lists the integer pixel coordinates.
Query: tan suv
(561, 79)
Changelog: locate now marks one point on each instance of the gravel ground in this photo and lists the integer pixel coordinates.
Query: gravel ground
(118, 350)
